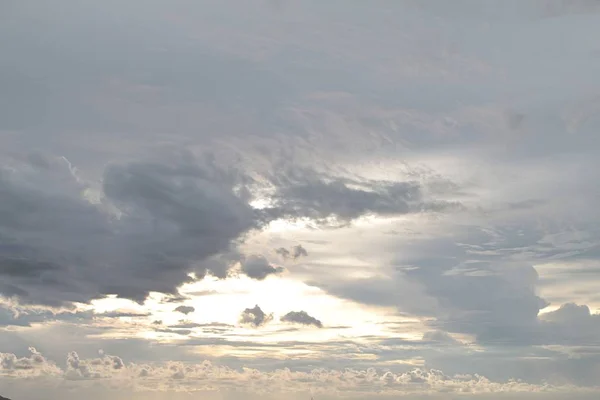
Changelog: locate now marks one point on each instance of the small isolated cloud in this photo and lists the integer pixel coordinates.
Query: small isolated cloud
(296, 252)
(175, 299)
(185, 309)
(255, 317)
(301, 317)
(258, 267)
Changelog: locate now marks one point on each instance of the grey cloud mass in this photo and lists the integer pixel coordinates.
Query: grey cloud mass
(255, 317)
(155, 223)
(302, 318)
(258, 267)
(320, 198)
(185, 309)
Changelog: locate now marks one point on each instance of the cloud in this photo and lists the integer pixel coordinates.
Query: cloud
(486, 302)
(318, 199)
(553, 8)
(307, 194)
(173, 375)
(255, 317)
(440, 337)
(23, 367)
(175, 299)
(296, 252)
(123, 314)
(182, 332)
(191, 325)
(327, 104)
(258, 267)
(96, 368)
(569, 325)
(301, 317)
(185, 309)
(19, 315)
(155, 223)
(465, 280)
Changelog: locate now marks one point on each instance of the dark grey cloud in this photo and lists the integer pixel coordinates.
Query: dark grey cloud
(302, 318)
(295, 253)
(185, 309)
(307, 194)
(258, 267)
(318, 198)
(155, 223)
(255, 317)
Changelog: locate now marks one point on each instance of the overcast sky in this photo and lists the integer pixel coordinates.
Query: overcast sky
(282, 199)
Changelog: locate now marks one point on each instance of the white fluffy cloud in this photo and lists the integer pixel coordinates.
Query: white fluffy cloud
(112, 372)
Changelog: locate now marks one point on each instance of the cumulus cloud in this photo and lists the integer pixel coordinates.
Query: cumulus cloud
(302, 318)
(111, 370)
(258, 267)
(571, 324)
(22, 367)
(255, 317)
(466, 281)
(185, 309)
(485, 303)
(95, 368)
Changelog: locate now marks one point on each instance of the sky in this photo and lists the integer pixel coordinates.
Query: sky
(284, 199)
